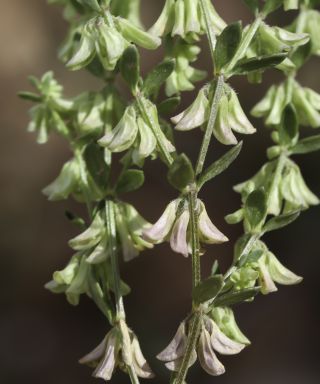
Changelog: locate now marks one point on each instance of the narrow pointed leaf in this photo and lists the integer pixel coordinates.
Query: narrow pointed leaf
(130, 67)
(233, 298)
(280, 221)
(220, 165)
(307, 145)
(256, 208)
(167, 106)
(258, 63)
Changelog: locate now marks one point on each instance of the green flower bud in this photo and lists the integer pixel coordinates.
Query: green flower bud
(184, 75)
(308, 22)
(273, 152)
(224, 318)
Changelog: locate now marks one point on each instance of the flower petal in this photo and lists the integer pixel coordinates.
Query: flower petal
(160, 230)
(176, 364)
(177, 346)
(279, 273)
(222, 343)
(140, 364)
(207, 357)
(209, 233)
(178, 239)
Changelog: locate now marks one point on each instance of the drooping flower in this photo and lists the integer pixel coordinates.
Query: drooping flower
(305, 100)
(52, 109)
(266, 270)
(184, 18)
(174, 223)
(107, 41)
(113, 352)
(289, 192)
(133, 132)
(230, 116)
(212, 339)
(130, 226)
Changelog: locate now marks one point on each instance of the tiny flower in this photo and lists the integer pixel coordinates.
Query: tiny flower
(133, 132)
(117, 349)
(104, 357)
(230, 116)
(289, 188)
(72, 280)
(184, 18)
(174, 225)
(308, 22)
(107, 42)
(184, 75)
(130, 226)
(305, 100)
(273, 40)
(51, 111)
(225, 320)
(211, 339)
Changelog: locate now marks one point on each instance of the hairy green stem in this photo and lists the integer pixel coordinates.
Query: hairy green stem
(209, 31)
(120, 312)
(195, 244)
(193, 336)
(159, 135)
(217, 94)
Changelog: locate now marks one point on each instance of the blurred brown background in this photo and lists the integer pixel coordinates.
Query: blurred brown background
(41, 336)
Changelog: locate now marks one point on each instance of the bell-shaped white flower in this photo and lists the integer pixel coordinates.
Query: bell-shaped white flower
(174, 225)
(208, 359)
(195, 115)
(230, 116)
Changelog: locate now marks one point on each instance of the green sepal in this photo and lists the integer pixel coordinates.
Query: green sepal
(30, 96)
(208, 289)
(181, 172)
(255, 209)
(167, 106)
(233, 298)
(77, 220)
(96, 165)
(289, 127)
(227, 45)
(246, 66)
(307, 145)
(131, 180)
(158, 76)
(130, 67)
(220, 165)
(280, 221)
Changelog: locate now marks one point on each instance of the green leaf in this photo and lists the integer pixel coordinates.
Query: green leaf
(227, 45)
(220, 165)
(251, 257)
(280, 221)
(158, 76)
(307, 145)
(167, 106)
(233, 298)
(256, 208)
(97, 167)
(29, 96)
(300, 55)
(261, 63)
(130, 67)
(214, 268)
(131, 180)
(181, 172)
(289, 128)
(252, 4)
(208, 289)
(271, 5)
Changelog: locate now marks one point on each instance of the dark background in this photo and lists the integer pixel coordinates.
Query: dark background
(42, 336)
